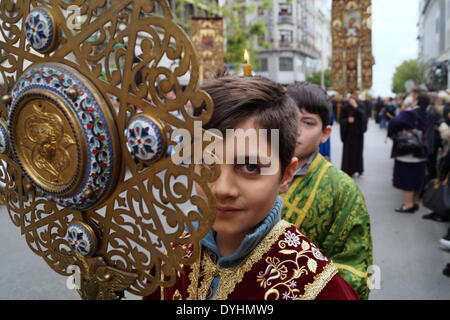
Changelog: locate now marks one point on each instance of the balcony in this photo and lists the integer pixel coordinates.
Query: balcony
(285, 19)
(285, 44)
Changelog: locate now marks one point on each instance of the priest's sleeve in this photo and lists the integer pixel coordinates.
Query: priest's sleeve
(349, 242)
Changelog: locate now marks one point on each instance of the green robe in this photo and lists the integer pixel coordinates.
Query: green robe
(328, 208)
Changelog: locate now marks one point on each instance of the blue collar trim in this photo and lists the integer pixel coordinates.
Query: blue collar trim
(250, 241)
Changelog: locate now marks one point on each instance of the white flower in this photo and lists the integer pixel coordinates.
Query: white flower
(292, 239)
(293, 284)
(286, 296)
(318, 255)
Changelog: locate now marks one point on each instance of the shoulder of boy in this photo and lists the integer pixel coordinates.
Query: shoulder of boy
(293, 241)
(345, 184)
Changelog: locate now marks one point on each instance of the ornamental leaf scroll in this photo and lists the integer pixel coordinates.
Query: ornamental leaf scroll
(141, 62)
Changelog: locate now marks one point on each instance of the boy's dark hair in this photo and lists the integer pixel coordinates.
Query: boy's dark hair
(238, 98)
(313, 99)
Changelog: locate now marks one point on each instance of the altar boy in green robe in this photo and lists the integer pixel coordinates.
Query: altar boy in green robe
(323, 202)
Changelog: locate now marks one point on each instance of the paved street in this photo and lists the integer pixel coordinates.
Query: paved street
(406, 246)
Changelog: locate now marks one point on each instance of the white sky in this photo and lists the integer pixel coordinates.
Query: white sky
(394, 39)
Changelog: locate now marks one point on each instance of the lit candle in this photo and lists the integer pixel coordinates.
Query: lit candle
(247, 66)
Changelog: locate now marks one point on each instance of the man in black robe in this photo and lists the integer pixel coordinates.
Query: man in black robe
(353, 125)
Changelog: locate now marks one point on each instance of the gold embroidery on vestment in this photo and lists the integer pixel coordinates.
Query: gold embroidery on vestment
(177, 295)
(277, 269)
(351, 269)
(206, 270)
(193, 280)
(313, 289)
(293, 207)
(229, 277)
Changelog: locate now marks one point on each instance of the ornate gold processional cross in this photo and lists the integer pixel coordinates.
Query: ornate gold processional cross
(91, 95)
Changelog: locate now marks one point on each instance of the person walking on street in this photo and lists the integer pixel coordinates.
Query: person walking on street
(353, 125)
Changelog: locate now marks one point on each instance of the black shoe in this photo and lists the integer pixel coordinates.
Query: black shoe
(440, 218)
(429, 216)
(403, 210)
(447, 270)
(416, 207)
(436, 217)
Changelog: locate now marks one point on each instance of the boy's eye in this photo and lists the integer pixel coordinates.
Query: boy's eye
(309, 123)
(251, 168)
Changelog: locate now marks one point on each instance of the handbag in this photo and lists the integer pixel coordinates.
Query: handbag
(409, 141)
(436, 196)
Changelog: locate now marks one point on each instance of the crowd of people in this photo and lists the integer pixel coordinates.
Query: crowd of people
(421, 170)
(418, 123)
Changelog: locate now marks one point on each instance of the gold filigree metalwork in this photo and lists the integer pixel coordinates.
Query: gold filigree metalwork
(99, 281)
(47, 145)
(133, 55)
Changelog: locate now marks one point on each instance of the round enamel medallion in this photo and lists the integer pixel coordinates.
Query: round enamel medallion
(63, 135)
(145, 139)
(81, 238)
(40, 30)
(4, 138)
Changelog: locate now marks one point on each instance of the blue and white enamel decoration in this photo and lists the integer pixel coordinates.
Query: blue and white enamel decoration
(145, 139)
(40, 30)
(69, 146)
(4, 138)
(81, 239)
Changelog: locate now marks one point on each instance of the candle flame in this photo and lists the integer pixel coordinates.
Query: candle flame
(246, 56)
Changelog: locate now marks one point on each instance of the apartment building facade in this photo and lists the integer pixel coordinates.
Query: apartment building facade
(299, 35)
(434, 41)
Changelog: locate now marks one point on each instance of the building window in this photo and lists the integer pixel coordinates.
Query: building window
(286, 37)
(285, 9)
(286, 64)
(262, 65)
(261, 11)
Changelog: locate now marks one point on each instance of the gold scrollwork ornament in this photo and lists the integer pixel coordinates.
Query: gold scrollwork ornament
(67, 105)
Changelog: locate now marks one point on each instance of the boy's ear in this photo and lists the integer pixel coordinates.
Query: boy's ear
(326, 134)
(288, 175)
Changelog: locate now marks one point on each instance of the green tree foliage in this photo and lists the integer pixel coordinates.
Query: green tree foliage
(408, 70)
(242, 36)
(316, 78)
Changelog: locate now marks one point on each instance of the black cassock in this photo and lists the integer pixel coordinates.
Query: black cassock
(352, 136)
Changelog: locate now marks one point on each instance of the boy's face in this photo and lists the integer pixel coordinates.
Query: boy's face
(243, 195)
(310, 134)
